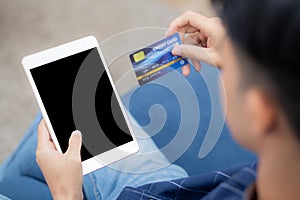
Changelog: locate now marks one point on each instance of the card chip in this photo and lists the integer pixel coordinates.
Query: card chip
(139, 56)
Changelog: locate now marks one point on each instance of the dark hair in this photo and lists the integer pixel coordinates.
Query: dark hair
(268, 32)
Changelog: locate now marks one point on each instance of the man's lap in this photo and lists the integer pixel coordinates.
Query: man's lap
(147, 166)
(107, 182)
(22, 161)
(20, 176)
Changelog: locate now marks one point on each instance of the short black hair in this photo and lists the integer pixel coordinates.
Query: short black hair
(268, 32)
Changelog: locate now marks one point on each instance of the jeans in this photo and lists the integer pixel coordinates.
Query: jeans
(21, 178)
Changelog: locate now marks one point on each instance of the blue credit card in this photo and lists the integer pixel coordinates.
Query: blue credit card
(156, 59)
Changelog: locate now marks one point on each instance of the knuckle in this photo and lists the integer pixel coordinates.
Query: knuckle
(173, 23)
(37, 154)
(215, 19)
(188, 12)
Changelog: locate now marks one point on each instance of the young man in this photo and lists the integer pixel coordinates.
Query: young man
(259, 61)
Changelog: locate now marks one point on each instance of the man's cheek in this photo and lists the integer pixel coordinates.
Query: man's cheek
(232, 111)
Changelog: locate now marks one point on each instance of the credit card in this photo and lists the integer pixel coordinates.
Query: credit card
(156, 59)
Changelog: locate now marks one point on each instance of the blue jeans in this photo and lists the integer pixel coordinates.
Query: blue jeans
(21, 178)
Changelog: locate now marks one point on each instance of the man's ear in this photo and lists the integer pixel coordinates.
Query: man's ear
(261, 112)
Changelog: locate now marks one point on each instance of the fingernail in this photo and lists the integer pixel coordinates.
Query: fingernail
(78, 133)
(177, 51)
(169, 32)
(184, 71)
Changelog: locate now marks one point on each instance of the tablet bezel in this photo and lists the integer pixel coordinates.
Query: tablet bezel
(63, 51)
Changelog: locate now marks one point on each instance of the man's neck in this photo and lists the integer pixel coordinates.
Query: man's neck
(279, 168)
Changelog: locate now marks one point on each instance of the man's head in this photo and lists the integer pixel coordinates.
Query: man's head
(261, 70)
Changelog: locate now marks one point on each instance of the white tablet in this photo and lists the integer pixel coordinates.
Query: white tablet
(75, 91)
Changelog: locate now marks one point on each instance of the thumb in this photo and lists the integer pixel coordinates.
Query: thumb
(75, 143)
(193, 52)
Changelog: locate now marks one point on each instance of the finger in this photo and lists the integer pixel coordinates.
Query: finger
(187, 29)
(170, 32)
(202, 39)
(196, 64)
(191, 19)
(182, 30)
(191, 38)
(193, 52)
(44, 136)
(186, 70)
(75, 143)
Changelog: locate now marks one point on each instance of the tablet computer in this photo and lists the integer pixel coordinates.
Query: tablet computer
(75, 91)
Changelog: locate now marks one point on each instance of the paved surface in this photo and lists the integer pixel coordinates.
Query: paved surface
(33, 25)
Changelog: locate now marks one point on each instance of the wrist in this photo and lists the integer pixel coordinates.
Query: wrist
(68, 196)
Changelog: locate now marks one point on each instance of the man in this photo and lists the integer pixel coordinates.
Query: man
(259, 61)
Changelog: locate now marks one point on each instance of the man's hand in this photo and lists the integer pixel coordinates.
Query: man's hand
(202, 41)
(63, 172)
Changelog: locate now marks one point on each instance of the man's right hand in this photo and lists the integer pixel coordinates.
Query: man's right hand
(203, 39)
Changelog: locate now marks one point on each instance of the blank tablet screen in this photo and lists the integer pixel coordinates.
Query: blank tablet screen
(77, 95)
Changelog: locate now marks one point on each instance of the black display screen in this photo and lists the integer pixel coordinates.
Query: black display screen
(77, 95)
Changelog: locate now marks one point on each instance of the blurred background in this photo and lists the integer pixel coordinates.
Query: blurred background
(33, 25)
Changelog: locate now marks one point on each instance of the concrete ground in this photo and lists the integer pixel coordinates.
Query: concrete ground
(33, 25)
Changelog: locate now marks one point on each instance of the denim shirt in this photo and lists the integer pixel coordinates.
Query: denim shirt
(229, 184)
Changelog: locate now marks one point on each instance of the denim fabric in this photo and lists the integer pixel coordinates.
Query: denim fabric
(21, 178)
(147, 166)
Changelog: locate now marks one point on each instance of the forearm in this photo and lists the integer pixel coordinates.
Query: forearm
(65, 195)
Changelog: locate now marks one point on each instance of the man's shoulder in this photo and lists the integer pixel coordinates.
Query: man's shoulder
(230, 183)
